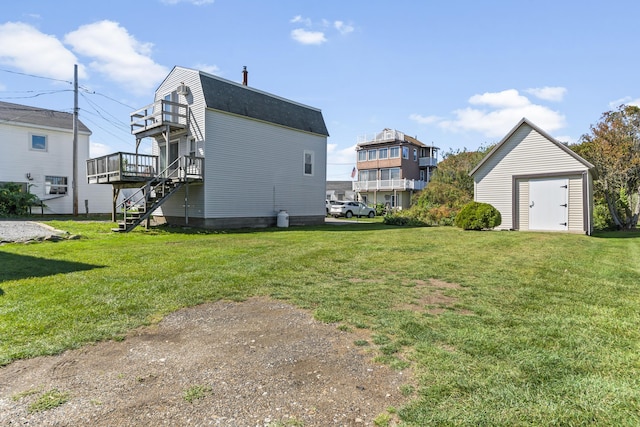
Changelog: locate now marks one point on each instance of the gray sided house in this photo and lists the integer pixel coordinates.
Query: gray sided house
(536, 182)
(224, 155)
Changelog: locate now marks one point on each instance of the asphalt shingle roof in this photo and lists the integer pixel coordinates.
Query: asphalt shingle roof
(24, 114)
(245, 101)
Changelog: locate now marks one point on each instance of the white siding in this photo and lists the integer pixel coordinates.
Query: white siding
(252, 168)
(17, 159)
(576, 209)
(255, 169)
(196, 103)
(525, 152)
(523, 204)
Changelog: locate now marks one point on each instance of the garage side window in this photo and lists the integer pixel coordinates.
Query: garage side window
(308, 163)
(38, 142)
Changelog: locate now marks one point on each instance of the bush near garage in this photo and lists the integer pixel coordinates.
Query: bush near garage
(478, 216)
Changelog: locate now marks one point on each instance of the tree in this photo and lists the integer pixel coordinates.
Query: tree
(450, 187)
(451, 184)
(613, 147)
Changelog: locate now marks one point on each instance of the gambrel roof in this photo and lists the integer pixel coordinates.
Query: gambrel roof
(523, 122)
(33, 116)
(227, 96)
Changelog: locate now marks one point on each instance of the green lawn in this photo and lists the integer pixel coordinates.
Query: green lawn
(542, 329)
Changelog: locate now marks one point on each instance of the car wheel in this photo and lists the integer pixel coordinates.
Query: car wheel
(372, 214)
(349, 214)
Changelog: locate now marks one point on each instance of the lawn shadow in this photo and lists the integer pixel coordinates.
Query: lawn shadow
(618, 234)
(345, 225)
(16, 267)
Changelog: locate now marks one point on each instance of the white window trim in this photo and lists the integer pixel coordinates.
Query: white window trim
(49, 184)
(391, 149)
(46, 142)
(304, 163)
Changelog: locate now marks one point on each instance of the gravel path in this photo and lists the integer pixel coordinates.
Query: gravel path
(22, 231)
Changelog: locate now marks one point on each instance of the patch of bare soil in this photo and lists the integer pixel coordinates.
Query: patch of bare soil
(256, 363)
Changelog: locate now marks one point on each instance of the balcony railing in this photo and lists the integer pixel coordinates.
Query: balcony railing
(131, 167)
(385, 135)
(388, 185)
(427, 161)
(158, 115)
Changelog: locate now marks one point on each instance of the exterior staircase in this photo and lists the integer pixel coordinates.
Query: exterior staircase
(140, 205)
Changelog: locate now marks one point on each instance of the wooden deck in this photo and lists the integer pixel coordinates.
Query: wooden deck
(132, 170)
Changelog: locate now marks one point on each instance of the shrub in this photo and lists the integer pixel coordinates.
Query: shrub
(401, 218)
(602, 219)
(14, 200)
(478, 216)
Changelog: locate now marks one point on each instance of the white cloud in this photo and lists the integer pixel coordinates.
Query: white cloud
(509, 98)
(298, 19)
(194, 2)
(211, 69)
(548, 93)
(117, 55)
(31, 51)
(627, 100)
(342, 27)
(311, 36)
(345, 156)
(308, 37)
(97, 149)
(493, 114)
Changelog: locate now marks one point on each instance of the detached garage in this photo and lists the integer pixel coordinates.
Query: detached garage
(536, 182)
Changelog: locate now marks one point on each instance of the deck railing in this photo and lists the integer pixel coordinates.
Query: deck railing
(123, 167)
(385, 135)
(161, 112)
(389, 185)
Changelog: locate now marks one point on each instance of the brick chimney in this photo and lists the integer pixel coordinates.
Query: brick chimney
(245, 76)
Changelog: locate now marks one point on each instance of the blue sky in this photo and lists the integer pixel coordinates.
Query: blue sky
(458, 74)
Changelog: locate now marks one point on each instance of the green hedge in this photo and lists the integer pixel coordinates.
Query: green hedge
(478, 216)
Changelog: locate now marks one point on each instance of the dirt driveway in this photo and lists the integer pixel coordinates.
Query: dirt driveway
(256, 363)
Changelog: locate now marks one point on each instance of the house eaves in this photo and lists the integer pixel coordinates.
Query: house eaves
(234, 98)
(521, 123)
(38, 117)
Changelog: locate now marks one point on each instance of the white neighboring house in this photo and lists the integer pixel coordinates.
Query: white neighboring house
(536, 182)
(224, 155)
(36, 151)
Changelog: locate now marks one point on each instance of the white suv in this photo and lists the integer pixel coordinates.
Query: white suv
(349, 209)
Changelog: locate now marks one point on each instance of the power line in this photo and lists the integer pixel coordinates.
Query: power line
(51, 92)
(37, 77)
(114, 120)
(92, 92)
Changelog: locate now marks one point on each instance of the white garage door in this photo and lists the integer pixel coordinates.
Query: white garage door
(548, 208)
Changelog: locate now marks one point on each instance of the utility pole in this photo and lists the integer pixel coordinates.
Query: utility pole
(74, 181)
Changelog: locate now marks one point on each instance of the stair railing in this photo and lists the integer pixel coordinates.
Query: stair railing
(182, 169)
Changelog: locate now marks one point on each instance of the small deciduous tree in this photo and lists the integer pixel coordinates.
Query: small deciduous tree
(613, 147)
(450, 187)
